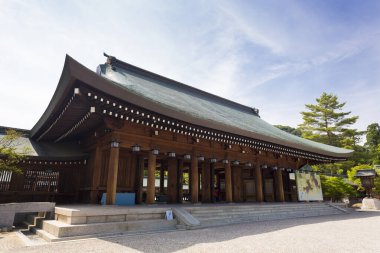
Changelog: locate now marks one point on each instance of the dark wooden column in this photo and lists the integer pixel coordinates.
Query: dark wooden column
(279, 186)
(237, 183)
(228, 175)
(139, 180)
(96, 172)
(259, 183)
(206, 181)
(172, 180)
(212, 181)
(194, 178)
(113, 167)
(162, 177)
(150, 191)
(180, 181)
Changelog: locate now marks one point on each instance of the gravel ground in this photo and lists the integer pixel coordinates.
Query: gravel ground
(356, 232)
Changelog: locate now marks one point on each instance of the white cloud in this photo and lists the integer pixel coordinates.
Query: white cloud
(220, 47)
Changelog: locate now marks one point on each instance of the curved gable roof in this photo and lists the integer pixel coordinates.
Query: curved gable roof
(202, 105)
(173, 99)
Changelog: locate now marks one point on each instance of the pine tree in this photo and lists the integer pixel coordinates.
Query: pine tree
(326, 122)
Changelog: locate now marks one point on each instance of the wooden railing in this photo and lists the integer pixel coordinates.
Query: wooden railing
(5, 180)
(42, 181)
(59, 185)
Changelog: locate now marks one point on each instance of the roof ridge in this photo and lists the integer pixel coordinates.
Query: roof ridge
(114, 62)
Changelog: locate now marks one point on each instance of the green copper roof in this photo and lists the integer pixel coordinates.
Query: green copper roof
(44, 149)
(195, 103)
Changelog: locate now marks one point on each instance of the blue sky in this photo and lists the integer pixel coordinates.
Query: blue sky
(273, 55)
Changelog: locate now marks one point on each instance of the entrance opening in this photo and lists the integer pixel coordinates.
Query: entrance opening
(219, 185)
(249, 185)
(186, 183)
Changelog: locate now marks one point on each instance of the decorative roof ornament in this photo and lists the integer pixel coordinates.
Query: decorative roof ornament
(255, 111)
(110, 60)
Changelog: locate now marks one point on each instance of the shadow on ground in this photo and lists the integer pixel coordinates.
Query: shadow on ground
(179, 240)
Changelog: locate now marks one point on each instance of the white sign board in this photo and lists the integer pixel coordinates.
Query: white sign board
(169, 215)
(309, 187)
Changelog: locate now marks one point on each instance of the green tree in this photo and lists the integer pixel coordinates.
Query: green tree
(290, 130)
(373, 142)
(376, 189)
(333, 169)
(373, 136)
(11, 151)
(335, 188)
(376, 155)
(352, 172)
(326, 122)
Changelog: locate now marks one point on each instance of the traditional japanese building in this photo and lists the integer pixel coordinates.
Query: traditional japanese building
(123, 129)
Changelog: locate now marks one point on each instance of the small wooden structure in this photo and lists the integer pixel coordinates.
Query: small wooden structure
(125, 129)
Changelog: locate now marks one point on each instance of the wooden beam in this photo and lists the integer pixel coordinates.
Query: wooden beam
(227, 173)
(151, 188)
(194, 178)
(172, 180)
(259, 183)
(113, 167)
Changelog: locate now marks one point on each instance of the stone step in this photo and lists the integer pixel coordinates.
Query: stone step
(207, 213)
(253, 218)
(244, 209)
(60, 229)
(248, 215)
(256, 209)
(34, 220)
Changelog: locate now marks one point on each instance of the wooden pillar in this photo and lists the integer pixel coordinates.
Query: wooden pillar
(96, 172)
(280, 186)
(237, 183)
(259, 183)
(206, 189)
(113, 167)
(151, 190)
(194, 178)
(212, 182)
(172, 180)
(180, 181)
(228, 178)
(162, 177)
(139, 180)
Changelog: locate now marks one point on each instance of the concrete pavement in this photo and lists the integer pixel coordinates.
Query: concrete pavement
(355, 232)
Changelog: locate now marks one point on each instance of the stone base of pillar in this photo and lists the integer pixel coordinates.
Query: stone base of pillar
(370, 204)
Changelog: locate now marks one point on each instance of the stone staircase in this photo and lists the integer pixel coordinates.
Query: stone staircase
(76, 222)
(230, 214)
(90, 221)
(34, 221)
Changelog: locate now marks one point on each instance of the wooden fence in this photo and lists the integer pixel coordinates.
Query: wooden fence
(41, 183)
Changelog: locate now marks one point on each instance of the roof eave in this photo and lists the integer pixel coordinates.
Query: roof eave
(63, 88)
(73, 71)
